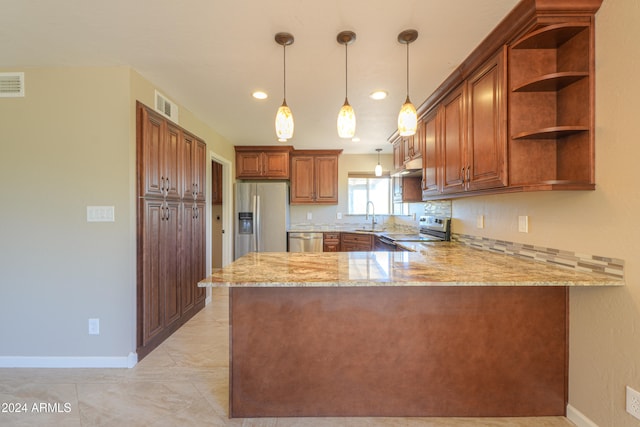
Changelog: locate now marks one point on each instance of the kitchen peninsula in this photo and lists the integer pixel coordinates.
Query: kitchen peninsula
(445, 331)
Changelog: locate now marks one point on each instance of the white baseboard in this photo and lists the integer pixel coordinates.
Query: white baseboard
(578, 418)
(69, 362)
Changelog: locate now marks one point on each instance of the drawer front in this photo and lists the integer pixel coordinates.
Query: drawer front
(357, 238)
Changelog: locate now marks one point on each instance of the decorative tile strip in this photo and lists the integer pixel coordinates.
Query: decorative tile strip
(582, 262)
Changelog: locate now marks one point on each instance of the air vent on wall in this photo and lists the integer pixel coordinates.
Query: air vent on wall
(11, 85)
(166, 107)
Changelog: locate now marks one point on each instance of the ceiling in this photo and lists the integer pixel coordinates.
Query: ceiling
(210, 55)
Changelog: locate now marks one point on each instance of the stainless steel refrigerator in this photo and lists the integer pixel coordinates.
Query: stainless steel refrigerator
(261, 217)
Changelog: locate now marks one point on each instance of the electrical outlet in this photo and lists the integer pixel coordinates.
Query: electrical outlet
(523, 224)
(480, 221)
(633, 402)
(309, 215)
(339, 215)
(94, 326)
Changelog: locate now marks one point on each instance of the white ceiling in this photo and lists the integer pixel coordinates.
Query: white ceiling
(210, 55)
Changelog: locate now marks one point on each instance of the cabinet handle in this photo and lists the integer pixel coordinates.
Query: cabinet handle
(162, 184)
(468, 174)
(168, 212)
(462, 173)
(167, 190)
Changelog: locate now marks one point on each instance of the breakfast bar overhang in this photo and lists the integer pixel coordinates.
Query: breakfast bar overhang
(449, 331)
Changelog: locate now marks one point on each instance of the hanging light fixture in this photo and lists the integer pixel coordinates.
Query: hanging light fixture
(284, 118)
(408, 117)
(378, 169)
(346, 116)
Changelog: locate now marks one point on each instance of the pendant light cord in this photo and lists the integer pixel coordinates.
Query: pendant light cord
(284, 79)
(346, 79)
(407, 70)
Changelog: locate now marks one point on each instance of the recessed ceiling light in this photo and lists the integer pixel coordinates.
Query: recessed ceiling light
(378, 95)
(259, 94)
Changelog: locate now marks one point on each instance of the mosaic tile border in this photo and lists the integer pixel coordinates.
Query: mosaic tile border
(590, 263)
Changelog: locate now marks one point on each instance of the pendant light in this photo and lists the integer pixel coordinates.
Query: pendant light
(284, 118)
(346, 116)
(378, 169)
(408, 117)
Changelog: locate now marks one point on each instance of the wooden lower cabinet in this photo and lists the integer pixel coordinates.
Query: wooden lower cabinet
(356, 242)
(331, 242)
(160, 277)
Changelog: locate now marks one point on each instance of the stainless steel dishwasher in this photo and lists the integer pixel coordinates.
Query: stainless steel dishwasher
(305, 242)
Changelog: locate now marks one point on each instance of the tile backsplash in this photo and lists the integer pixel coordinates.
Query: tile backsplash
(590, 263)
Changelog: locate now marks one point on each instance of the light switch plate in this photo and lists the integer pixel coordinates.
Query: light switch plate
(480, 221)
(101, 214)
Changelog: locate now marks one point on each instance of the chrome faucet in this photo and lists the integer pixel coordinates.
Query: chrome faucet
(373, 214)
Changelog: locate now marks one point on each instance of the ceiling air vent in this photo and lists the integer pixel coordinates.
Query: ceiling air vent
(11, 85)
(166, 107)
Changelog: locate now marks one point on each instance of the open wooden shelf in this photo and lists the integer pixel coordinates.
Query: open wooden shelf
(551, 36)
(553, 132)
(551, 82)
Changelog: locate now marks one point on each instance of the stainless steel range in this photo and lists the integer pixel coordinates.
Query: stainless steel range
(431, 229)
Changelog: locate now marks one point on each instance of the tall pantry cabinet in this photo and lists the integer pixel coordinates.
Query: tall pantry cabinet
(171, 172)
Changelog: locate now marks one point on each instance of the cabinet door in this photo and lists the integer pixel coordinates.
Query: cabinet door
(170, 268)
(430, 153)
(326, 179)
(199, 178)
(276, 164)
(453, 142)
(198, 250)
(186, 270)
(487, 130)
(302, 186)
(152, 131)
(398, 154)
(248, 165)
(172, 161)
(152, 286)
(160, 285)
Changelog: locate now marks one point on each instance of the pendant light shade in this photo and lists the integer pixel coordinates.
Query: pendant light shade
(284, 117)
(284, 122)
(408, 117)
(378, 169)
(346, 117)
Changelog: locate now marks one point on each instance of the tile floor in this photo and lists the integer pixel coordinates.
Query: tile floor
(184, 382)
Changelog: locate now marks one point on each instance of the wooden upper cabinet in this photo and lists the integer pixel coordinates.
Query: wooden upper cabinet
(453, 165)
(172, 161)
(194, 164)
(551, 106)
(518, 113)
(431, 154)
(398, 154)
(160, 153)
(314, 176)
(262, 162)
(486, 151)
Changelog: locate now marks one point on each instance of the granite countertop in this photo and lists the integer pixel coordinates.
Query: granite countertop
(433, 264)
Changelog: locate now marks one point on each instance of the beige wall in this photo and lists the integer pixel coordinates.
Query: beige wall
(69, 144)
(604, 323)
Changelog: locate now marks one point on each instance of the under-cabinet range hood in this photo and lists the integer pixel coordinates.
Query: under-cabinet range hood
(411, 168)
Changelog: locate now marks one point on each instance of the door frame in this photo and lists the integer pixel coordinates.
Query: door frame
(227, 211)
